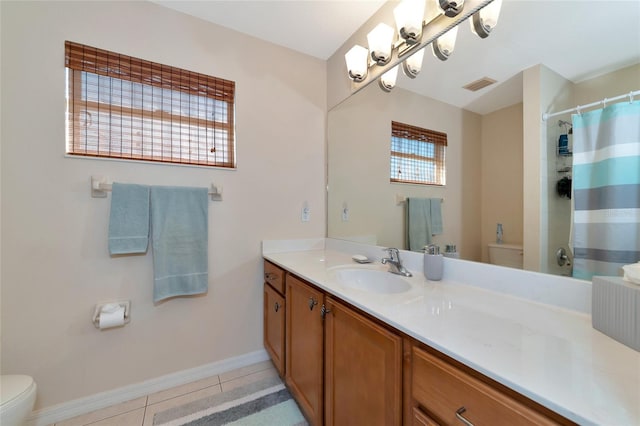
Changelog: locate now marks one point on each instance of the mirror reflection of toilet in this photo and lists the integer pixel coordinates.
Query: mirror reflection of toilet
(17, 398)
(510, 255)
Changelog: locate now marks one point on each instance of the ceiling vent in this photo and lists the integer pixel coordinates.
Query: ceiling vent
(474, 86)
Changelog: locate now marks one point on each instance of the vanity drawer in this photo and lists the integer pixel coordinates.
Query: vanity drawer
(274, 276)
(448, 393)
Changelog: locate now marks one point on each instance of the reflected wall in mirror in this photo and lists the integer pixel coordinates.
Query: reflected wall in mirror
(359, 135)
(502, 159)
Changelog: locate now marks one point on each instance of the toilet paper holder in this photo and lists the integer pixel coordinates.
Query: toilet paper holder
(123, 303)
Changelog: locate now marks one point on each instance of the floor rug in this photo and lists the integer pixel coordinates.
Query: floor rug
(262, 403)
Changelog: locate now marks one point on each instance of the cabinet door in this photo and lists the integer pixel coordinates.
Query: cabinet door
(305, 347)
(363, 370)
(274, 326)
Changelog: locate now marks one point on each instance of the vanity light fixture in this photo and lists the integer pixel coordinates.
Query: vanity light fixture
(388, 79)
(444, 45)
(413, 64)
(483, 21)
(357, 62)
(381, 43)
(415, 31)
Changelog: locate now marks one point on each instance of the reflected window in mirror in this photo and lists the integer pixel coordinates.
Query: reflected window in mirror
(417, 155)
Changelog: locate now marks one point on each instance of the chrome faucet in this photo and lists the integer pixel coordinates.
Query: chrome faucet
(395, 264)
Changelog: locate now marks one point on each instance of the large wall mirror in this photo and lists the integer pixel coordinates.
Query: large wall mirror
(545, 56)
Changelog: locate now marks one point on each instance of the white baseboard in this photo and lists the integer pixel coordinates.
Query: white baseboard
(67, 410)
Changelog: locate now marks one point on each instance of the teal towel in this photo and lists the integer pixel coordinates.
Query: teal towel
(436, 216)
(179, 229)
(424, 219)
(129, 219)
(418, 223)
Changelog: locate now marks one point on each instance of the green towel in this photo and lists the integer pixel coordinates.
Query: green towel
(129, 219)
(424, 219)
(436, 216)
(179, 229)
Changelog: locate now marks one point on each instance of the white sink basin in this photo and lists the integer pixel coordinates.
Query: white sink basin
(371, 280)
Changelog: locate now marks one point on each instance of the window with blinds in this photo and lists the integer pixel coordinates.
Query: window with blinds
(417, 155)
(128, 108)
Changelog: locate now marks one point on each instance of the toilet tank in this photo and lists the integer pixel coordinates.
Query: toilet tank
(510, 255)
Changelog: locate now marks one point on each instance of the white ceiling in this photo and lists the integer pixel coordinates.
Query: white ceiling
(578, 39)
(315, 27)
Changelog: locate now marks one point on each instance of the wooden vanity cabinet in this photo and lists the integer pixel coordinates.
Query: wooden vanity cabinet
(274, 315)
(345, 367)
(363, 369)
(304, 353)
(443, 394)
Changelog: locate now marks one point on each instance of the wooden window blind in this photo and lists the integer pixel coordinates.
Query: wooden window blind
(123, 107)
(417, 155)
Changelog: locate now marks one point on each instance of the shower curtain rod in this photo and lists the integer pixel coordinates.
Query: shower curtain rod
(603, 102)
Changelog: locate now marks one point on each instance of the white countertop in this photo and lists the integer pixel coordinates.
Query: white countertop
(548, 353)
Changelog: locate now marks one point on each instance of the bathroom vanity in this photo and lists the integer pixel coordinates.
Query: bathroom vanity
(437, 352)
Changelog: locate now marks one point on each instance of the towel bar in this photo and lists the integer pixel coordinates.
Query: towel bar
(100, 187)
(402, 199)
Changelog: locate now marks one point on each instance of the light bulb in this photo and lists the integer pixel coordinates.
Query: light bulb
(357, 62)
(409, 15)
(413, 64)
(490, 13)
(443, 46)
(380, 42)
(388, 79)
(483, 21)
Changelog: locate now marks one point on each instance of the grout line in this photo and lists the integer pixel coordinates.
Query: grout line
(181, 395)
(245, 375)
(146, 403)
(144, 415)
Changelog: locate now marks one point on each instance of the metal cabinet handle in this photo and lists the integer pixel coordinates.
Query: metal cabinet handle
(312, 303)
(324, 311)
(460, 417)
(270, 276)
(276, 306)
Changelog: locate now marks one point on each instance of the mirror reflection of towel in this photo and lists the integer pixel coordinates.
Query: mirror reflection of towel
(424, 219)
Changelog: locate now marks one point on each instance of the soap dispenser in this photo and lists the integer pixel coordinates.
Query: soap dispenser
(432, 263)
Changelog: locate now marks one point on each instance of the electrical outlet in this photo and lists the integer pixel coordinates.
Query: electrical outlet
(345, 213)
(306, 212)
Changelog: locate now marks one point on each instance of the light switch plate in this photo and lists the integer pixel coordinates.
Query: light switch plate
(306, 212)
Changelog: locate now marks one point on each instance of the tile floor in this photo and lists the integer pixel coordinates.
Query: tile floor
(140, 411)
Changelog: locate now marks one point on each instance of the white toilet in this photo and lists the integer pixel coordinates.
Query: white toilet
(17, 397)
(510, 255)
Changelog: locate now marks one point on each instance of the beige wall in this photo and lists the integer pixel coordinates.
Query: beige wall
(612, 84)
(543, 91)
(55, 264)
(359, 131)
(502, 176)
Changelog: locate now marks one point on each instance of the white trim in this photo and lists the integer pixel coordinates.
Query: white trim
(76, 407)
(158, 163)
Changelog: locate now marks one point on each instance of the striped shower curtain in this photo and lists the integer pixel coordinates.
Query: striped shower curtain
(606, 186)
